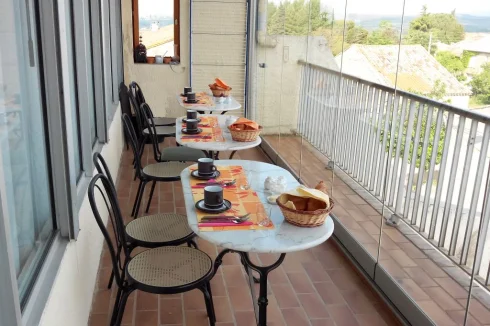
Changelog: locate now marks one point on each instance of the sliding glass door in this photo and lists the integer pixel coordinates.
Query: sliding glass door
(25, 189)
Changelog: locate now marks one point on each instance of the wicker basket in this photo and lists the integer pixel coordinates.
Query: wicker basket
(307, 219)
(245, 135)
(221, 92)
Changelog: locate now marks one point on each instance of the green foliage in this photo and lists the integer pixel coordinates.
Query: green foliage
(438, 93)
(385, 34)
(417, 147)
(298, 17)
(481, 85)
(444, 28)
(455, 64)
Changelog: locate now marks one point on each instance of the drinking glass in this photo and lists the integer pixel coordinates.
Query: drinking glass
(263, 215)
(246, 184)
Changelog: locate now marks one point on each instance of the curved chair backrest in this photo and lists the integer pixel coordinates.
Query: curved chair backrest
(133, 142)
(150, 124)
(124, 99)
(137, 92)
(137, 112)
(102, 167)
(108, 193)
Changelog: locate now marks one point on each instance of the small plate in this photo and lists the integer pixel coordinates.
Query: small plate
(191, 101)
(220, 209)
(191, 132)
(184, 120)
(213, 175)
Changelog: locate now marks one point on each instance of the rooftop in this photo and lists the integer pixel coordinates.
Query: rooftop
(418, 70)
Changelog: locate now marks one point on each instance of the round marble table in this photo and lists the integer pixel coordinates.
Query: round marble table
(212, 149)
(282, 239)
(229, 105)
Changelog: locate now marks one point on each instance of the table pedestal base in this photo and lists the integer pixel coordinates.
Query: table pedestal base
(263, 271)
(215, 154)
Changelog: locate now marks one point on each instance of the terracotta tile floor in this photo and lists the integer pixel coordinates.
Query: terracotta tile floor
(317, 287)
(424, 273)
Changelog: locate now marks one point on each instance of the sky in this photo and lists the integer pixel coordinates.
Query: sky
(156, 7)
(367, 7)
(412, 7)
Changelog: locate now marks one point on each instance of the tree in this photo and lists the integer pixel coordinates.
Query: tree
(356, 34)
(444, 28)
(417, 148)
(298, 17)
(455, 64)
(481, 85)
(385, 34)
(437, 93)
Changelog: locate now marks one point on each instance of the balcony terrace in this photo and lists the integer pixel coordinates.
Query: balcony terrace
(313, 287)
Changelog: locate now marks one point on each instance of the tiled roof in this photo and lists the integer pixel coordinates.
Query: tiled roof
(418, 70)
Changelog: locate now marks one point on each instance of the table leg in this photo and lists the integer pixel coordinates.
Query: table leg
(263, 273)
(216, 155)
(232, 154)
(201, 112)
(223, 112)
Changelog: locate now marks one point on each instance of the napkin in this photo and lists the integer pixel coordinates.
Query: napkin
(303, 191)
(244, 124)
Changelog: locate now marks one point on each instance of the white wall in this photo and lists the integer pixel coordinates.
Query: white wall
(460, 101)
(477, 61)
(278, 85)
(70, 299)
(160, 83)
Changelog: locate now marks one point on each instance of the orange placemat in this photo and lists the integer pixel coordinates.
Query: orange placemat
(243, 201)
(211, 132)
(203, 100)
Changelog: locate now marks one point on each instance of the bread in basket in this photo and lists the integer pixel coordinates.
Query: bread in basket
(305, 207)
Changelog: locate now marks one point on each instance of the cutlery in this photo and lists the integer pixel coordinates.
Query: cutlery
(197, 137)
(224, 224)
(212, 217)
(219, 183)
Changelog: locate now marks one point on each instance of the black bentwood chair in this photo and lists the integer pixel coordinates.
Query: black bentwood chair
(137, 92)
(142, 126)
(179, 153)
(164, 270)
(157, 172)
(152, 231)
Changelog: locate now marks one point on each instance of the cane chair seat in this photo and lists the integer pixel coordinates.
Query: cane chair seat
(169, 267)
(165, 170)
(181, 153)
(163, 121)
(159, 228)
(162, 131)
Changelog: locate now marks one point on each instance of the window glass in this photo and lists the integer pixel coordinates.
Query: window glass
(24, 177)
(156, 26)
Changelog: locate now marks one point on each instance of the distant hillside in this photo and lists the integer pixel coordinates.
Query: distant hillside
(145, 22)
(471, 23)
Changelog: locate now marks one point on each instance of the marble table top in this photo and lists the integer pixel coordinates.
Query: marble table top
(283, 238)
(228, 145)
(230, 105)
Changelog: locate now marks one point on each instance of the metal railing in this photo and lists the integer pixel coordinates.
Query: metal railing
(426, 161)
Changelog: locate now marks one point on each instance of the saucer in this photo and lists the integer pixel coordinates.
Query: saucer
(191, 132)
(184, 120)
(191, 101)
(213, 175)
(219, 209)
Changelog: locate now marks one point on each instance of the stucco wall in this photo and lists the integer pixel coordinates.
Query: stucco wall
(477, 61)
(160, 83)
(460, 101)
(278, 85)
(70, 298)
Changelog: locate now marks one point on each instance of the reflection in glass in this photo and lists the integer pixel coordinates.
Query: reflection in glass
(24, 177)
